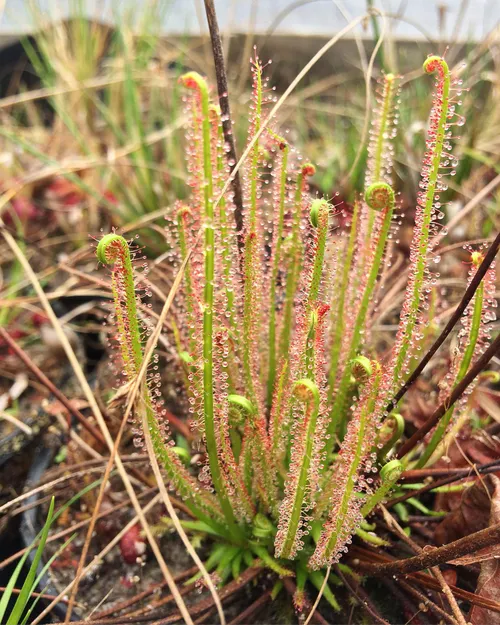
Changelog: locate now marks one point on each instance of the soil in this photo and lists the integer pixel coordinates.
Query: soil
(113, 580)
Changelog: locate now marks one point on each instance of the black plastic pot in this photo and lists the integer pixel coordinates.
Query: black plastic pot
(32, 523)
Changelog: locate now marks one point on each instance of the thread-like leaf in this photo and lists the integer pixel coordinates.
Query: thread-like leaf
(345, 498)
(113, 249)
(431, 185)
(295, 506)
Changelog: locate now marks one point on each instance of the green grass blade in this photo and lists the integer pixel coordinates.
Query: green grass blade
(28, 586)
(42, 573)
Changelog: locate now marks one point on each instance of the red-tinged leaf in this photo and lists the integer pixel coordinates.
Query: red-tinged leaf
(24, 210)
(132, 545)
(64, 191)
(450, 576)
(488, 587)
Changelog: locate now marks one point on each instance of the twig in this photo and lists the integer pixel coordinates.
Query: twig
(115, 621)
(429, 582)
(272, 113)
(362, 598)
(160, 603)
(227, 591)
(455, 472)
(407, 604)
(204, 617)
(457, 392)
(449, 595)
(361, 556)
(490, 467)
(227, 127)
(41, 595)
(440, 555)
(426, 601)
(454, 319)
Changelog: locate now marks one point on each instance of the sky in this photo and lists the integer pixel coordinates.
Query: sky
(465, 19)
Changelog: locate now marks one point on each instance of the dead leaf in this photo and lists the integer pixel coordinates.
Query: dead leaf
(488, 400)
(488, 584)
(470, 447)
(472, 513)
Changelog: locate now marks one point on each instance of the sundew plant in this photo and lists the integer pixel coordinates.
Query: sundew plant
(272, 327)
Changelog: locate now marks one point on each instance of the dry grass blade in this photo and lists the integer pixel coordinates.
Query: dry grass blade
(471, 204)
(69, 166)
(318, 598)
(93, 520)
(49, 385)
(48, 92)
(69, 530)
(49, 486)
(5, 416)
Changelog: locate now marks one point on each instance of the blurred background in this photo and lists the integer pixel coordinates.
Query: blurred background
(452, 19)
(103, 74)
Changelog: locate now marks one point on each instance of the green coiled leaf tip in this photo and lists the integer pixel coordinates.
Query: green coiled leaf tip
(242, 404)
(379, 196)
(108, 246)
(391, 471)
(306, 389)
(193, 80)
(436, 63)
(320, 210)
